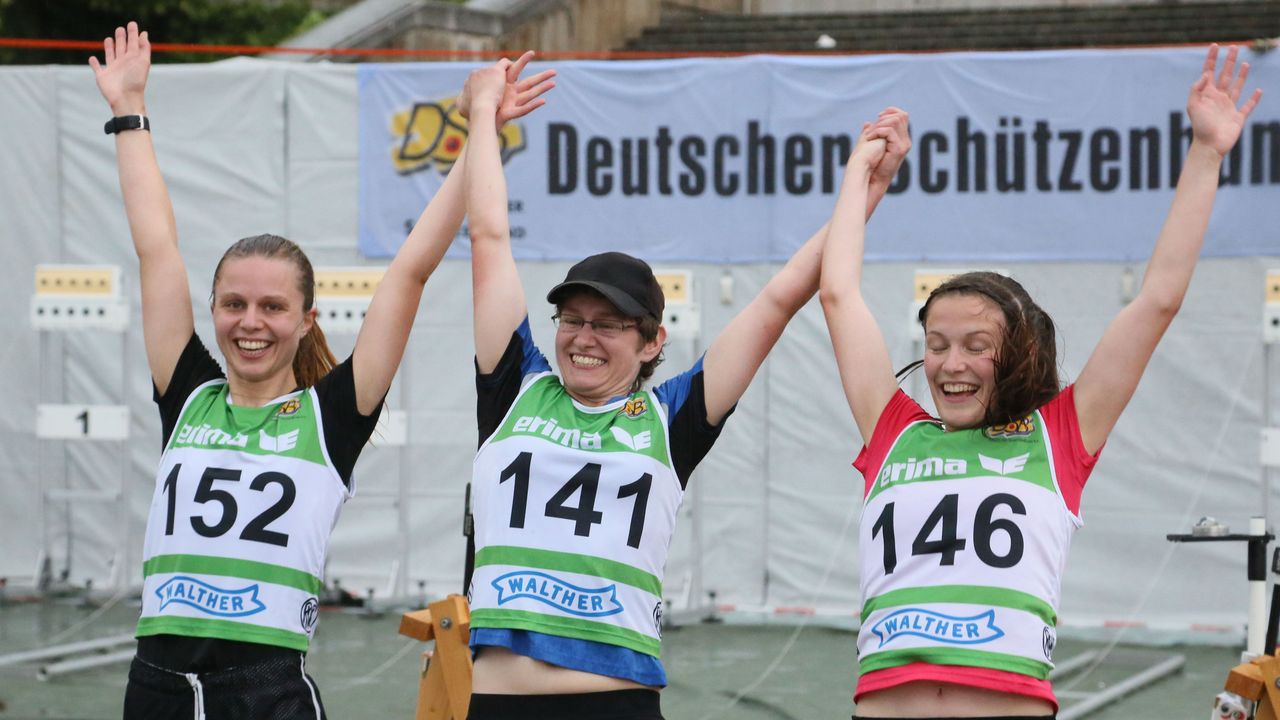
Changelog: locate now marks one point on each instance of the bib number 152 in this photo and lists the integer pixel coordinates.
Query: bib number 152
(256, 530)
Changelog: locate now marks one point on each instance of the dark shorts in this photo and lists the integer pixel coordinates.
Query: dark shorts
(277, 689)
(613, 705)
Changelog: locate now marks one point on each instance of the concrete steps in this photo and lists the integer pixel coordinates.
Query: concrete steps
(1018, 28)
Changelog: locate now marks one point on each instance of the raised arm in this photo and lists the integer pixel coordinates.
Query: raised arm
(738, 351)
(866, 372)
(385, 331)
(497, 295)
(167, 321)
(1111, 375)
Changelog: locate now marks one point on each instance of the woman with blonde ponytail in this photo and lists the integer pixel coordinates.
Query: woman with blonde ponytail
(258, 459)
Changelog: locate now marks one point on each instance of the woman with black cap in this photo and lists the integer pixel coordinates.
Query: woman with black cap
(579, 475)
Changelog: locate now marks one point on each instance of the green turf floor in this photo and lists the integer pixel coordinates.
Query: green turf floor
(729, 671)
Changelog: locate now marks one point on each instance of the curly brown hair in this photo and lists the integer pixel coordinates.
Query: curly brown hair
(1026, 362)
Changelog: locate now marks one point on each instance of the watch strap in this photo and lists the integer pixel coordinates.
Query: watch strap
(126, 122)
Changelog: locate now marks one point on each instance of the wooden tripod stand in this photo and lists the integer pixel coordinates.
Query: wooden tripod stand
(1256, 680)
(444, 685)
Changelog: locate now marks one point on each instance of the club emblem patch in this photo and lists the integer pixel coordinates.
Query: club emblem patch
(1021, 428)
(635, 407)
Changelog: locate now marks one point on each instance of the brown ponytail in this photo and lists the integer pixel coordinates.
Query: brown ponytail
(314, 358)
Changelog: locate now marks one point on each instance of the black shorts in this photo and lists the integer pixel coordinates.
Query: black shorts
(612, 705)
(276, 689)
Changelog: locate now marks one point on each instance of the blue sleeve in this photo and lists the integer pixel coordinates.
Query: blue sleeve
(690, 433)
(531, 358)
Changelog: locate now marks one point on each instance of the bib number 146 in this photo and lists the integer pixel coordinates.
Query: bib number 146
(942, 523)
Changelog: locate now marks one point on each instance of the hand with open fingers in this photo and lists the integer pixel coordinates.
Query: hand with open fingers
(123, 79)
(519, 97)
(892, 126)
(1216, 121)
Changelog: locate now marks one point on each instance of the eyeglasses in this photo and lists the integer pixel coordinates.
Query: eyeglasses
(605, 328)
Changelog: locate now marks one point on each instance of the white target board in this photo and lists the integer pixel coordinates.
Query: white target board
(1270, 447)
(82, 422)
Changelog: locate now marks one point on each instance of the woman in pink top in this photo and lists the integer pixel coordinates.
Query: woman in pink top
(960, 622)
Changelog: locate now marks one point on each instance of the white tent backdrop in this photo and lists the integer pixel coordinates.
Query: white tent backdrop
(250, 147)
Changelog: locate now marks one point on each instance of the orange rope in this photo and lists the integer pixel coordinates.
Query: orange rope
(27, 43)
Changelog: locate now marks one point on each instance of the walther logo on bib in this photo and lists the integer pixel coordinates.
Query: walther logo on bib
(209, 599)
(974, 630)
(551, 590)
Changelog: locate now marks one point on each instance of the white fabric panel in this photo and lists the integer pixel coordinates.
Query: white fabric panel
(321, 122)
(30, 233)
(777, 489)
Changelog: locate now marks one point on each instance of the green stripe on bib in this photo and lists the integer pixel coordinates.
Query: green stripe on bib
(221, 630)
(232, 567)
(955, 656)
(563, 626)
(963, 594)
(569, 562)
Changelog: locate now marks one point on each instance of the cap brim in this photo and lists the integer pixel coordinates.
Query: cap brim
(624, 302)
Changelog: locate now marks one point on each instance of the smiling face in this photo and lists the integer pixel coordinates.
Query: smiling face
(259, 320)
(596, 368)
(962, 334)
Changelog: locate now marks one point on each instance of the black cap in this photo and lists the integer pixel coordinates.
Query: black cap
(625, 281)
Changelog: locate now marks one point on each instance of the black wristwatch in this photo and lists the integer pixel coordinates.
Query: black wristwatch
(126, 122)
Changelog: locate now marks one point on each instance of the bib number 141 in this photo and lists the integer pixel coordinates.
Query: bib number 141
(586, 483)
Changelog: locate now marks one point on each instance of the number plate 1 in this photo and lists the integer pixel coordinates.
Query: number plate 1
(82, 422)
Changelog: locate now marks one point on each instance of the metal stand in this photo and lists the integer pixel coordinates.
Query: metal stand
(682, 319)
(1257, 546)
(71, 299)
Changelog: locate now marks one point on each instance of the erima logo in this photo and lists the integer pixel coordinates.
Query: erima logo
(1006, 467)
(568, 437)
(208, 435)
(974, 630)
(283, 443)
(551, 590)
(913, 469)
(209, 599)
(639, 441)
